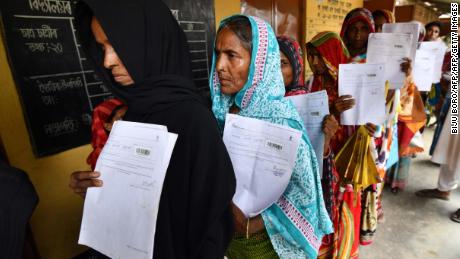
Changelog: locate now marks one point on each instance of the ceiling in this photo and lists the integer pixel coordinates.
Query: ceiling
(442, 6)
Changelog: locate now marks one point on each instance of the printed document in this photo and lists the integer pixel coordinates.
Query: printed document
(438, 48)
(366, 83)
(408, 28)
(424, 69)
(312, 109)
(263, 155)
(119, 218)
(389, 48)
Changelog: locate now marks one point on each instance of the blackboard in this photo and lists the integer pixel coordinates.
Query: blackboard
(58, 87)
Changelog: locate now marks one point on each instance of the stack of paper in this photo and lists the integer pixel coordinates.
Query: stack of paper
(366, 83)
(438, 50)
(312, 109)
(390, 49)
(408, 28)
(119, 218)
(263, 155)
(423, 71)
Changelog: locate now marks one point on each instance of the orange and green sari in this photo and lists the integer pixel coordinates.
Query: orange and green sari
(333, 52)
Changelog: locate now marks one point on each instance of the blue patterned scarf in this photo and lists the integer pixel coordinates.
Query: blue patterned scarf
(297, 222)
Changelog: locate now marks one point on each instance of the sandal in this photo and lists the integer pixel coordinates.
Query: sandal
(456, 216)
(433, 194)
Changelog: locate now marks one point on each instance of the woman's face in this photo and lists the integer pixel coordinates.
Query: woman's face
(432, 34)
(232, 62)
(357, 35)
(286, 69)
(316, 62)
(111, 60)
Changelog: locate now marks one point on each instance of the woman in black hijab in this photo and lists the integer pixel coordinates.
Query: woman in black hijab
(141, 52)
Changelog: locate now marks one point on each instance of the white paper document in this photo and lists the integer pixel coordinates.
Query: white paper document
(438, 48)
(366, 83)
(405, 27)
(424, 69)
(389, 48)
(119, 218)
(312, 109)
(263, 155)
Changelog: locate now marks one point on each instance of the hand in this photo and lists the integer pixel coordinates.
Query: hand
(81, 180)
(343, 103)
(371, 128)
(330, 126)
(406, 66)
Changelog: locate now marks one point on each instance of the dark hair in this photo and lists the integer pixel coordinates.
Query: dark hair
(435, 23)
(378, 13)
(310, 48)
(241, 26)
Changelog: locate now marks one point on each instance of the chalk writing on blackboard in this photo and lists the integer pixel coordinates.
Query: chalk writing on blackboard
(48, 32)
(44, 32)
(51, 6)
(63, 84)
(55, 129)
(58, 86)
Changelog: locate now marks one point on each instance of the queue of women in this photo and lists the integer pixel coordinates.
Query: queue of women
(147, 65)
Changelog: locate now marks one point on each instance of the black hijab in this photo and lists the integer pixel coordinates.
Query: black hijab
(194, 218)
(161, 69)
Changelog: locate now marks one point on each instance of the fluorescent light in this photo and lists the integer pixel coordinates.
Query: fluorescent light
(444, 16)
(427, 3)
(436, 9)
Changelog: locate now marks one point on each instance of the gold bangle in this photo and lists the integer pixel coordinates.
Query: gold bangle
(247, 228)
